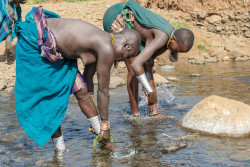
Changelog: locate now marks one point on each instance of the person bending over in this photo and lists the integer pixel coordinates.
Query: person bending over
(157, 35)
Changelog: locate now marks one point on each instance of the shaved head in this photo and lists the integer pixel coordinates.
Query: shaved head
(184, 36)
(132, 37)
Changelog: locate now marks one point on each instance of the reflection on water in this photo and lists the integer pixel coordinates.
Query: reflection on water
(145, 135)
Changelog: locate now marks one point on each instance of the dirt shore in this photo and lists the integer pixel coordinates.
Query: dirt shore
(214, 43)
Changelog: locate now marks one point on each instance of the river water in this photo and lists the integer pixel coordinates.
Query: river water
(144, 136)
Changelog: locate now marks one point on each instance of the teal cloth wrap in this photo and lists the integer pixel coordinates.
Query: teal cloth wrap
(143, 15)
(42, 88)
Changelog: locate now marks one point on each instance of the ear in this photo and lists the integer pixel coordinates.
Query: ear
(127, 46)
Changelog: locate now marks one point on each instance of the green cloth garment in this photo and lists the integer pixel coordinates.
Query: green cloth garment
(42, 88)
(143, 15)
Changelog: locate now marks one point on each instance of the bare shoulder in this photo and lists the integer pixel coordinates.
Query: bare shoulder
(159, 33)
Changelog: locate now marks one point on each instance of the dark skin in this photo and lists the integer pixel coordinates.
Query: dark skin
(155, 44)
(79, 39)
(8, 38)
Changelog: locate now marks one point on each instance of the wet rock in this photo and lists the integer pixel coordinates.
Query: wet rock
(195, 75)
(160, 80)
(173, 148)
(211, 59)
(226, 58)
(167, 68)
(200, 59)
(220, 56)
(172, 78)
(235, 53)
(218, 116)
(245, 58)
(116, 81)
(7, 138)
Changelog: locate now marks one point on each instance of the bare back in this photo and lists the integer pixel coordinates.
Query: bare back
(79, 39)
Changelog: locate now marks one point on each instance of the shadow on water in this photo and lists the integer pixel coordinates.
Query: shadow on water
(145, 135)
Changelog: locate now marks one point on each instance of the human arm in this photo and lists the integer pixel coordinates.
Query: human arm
(104, 63)
(152, 47)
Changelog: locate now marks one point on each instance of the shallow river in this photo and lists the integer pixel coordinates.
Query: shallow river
(144, 136)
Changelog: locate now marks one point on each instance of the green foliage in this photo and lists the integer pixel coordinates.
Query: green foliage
(98, 139)
(178, 25)
(205, 42)
(202, 47)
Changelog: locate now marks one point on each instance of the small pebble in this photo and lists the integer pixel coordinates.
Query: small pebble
(195, 75)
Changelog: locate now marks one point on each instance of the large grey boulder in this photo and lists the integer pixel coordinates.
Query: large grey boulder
(218, 116)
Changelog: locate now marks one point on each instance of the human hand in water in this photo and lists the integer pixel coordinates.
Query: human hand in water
(152, 98)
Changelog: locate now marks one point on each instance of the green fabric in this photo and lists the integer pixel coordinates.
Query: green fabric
(143, 15)
(125, 14)
(42, 88)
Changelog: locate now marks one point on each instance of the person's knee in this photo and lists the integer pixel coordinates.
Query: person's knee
(82, 94)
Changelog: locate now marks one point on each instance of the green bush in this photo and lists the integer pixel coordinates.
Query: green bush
(202, 47)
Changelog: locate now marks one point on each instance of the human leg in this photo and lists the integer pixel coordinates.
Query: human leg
(88, 108)
(58, 140)
(8, 48)
(132, 86)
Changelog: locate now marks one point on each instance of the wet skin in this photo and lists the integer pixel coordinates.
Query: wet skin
(155, 44)
(79, 39)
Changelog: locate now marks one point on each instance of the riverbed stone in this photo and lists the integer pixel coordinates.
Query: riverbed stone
(195, 75)
(200, 59)
(241, 58)
(218, 116)
(172, 78)
(211, 59)
(115, 81)
(235, 53)
(158, 79)
(226, 58)
(167, 68)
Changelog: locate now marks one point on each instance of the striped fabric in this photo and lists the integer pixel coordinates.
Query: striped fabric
(46, 38)
(6, 18)
(79, 83)
(48, 46)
